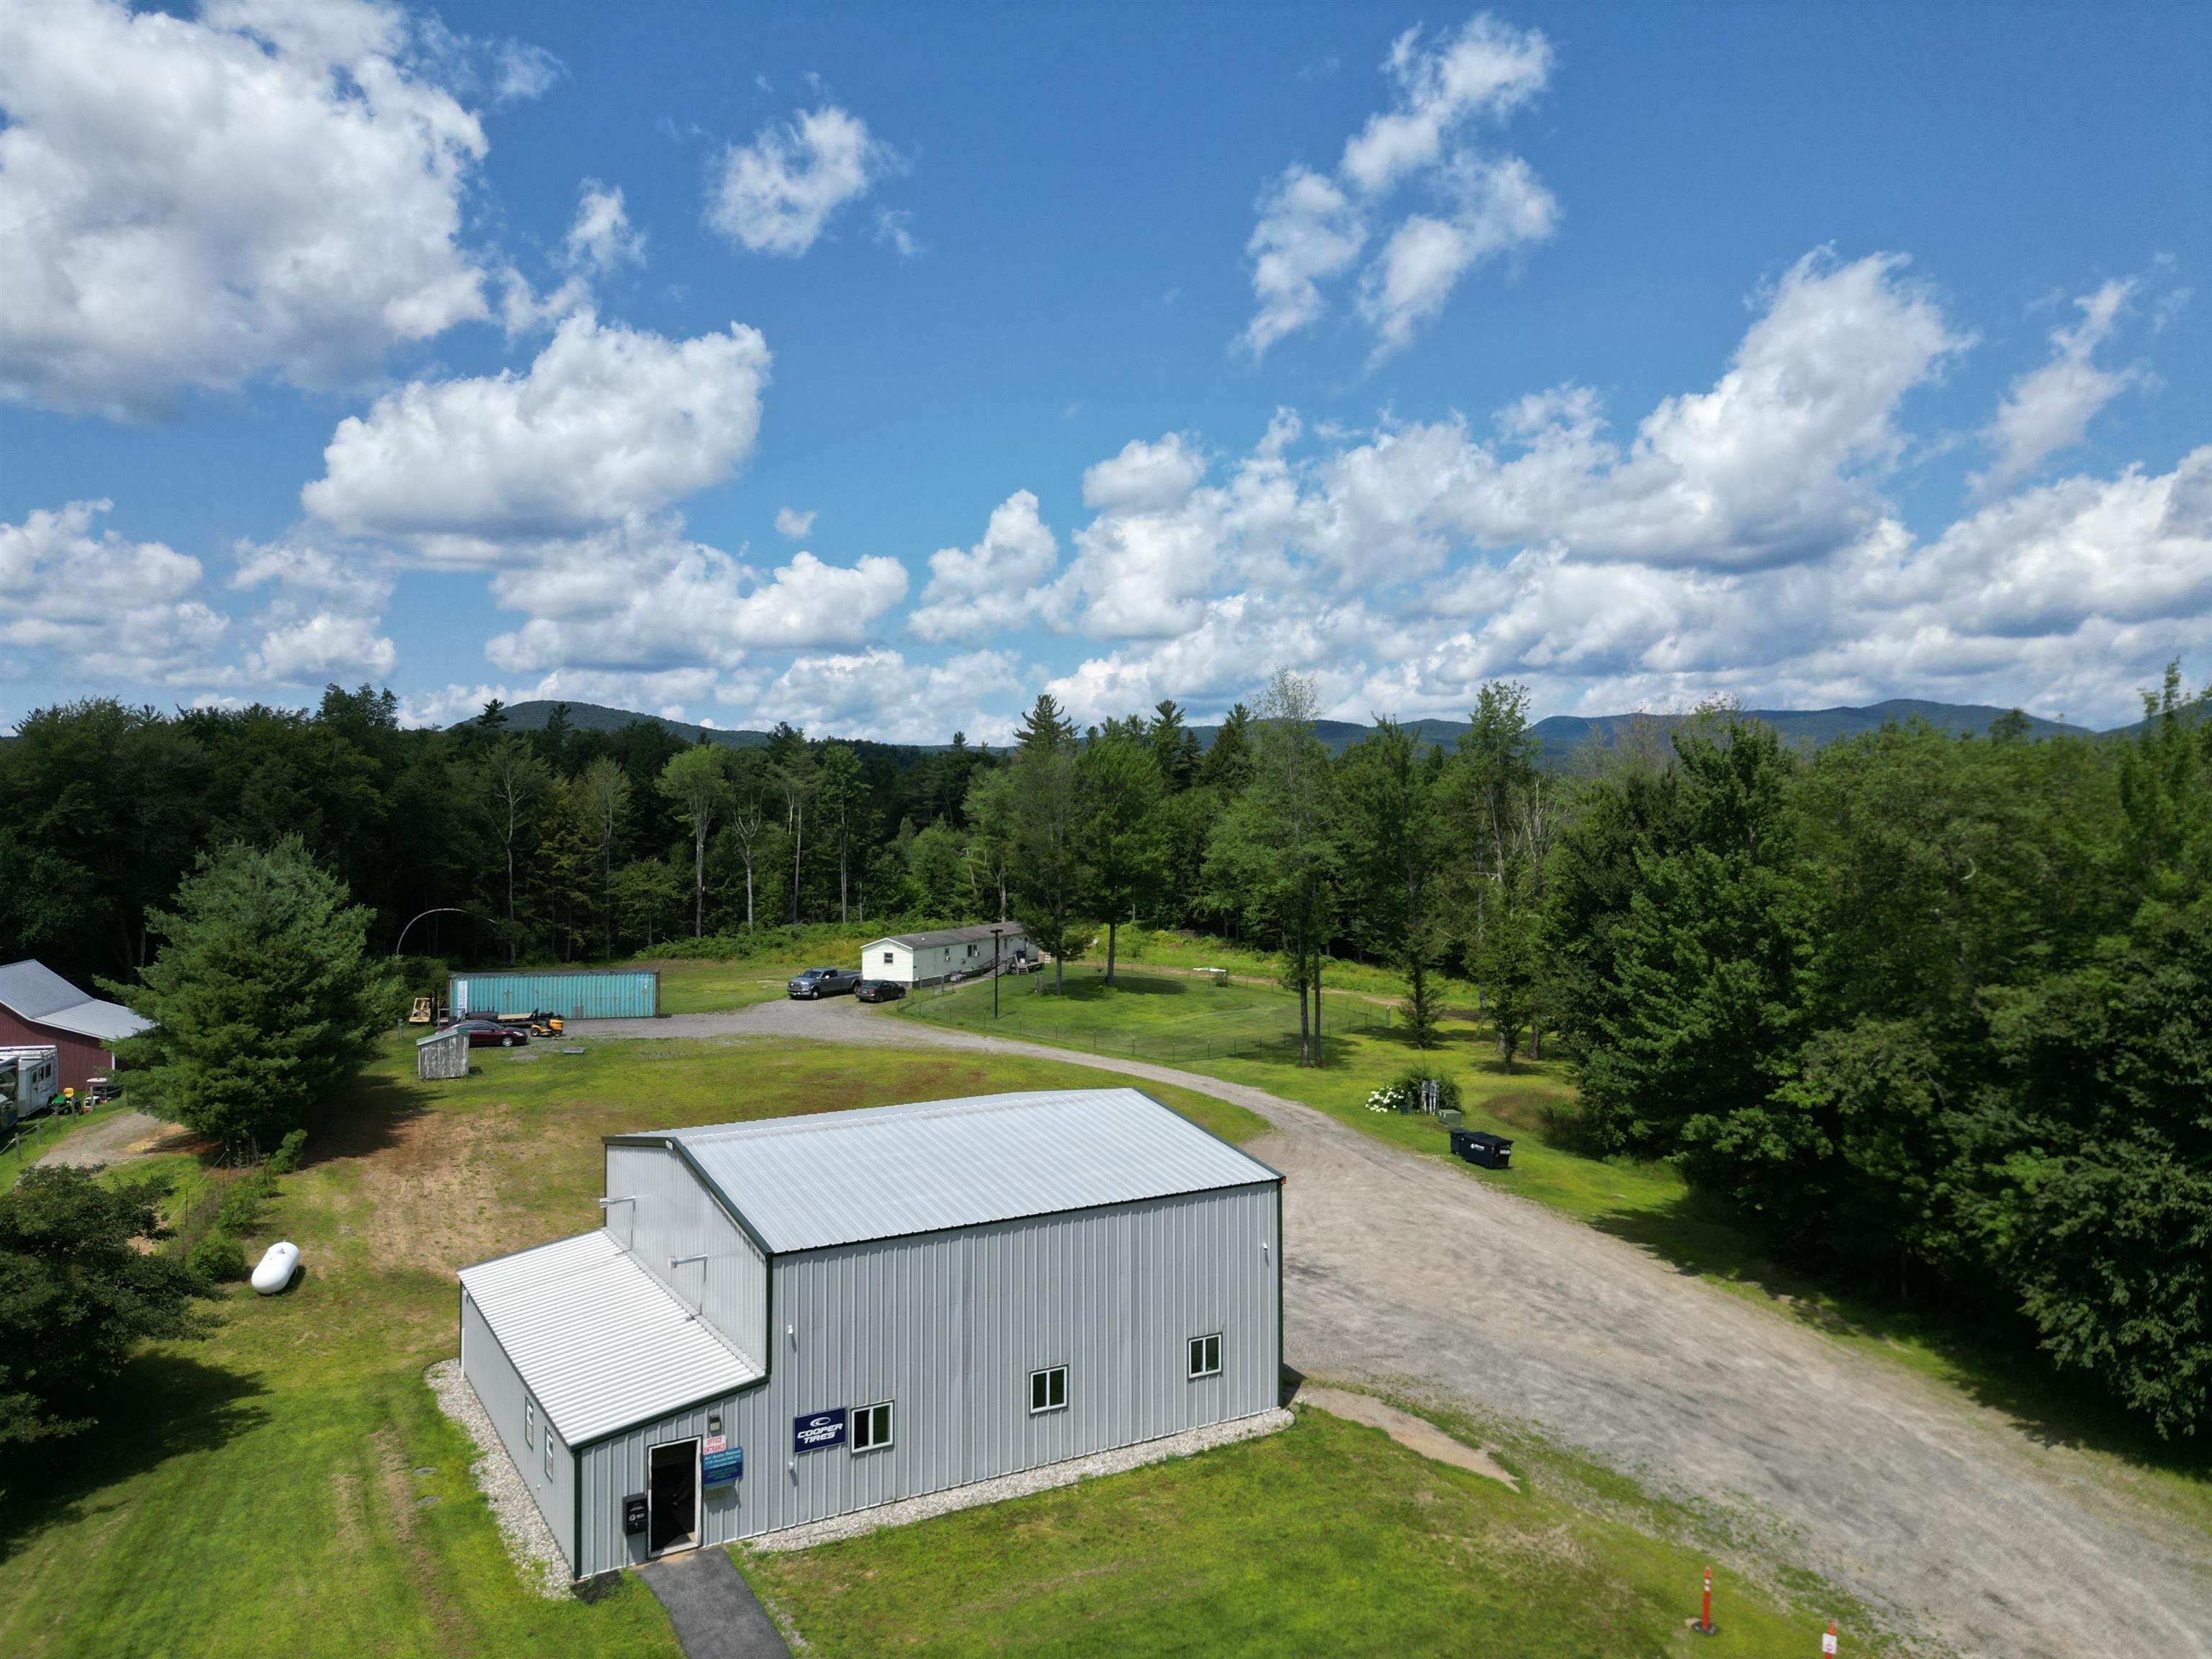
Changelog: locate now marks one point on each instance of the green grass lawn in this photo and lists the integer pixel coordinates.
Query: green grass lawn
(1164, 948)
(709, 988)
(1176, 1019)
(288, 1487)
(1328, 1537)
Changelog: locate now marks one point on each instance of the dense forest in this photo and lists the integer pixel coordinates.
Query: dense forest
(1932, 1011)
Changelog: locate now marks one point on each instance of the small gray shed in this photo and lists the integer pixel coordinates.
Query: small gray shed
(790, 1319)
(442, 1055)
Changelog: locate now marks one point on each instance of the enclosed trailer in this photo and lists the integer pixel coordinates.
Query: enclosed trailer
(30, 1078)
(590, 994)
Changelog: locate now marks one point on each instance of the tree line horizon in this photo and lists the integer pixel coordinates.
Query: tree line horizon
(1930, 1013)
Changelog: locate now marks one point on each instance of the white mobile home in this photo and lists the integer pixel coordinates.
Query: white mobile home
(928, 958)
(788, 1320)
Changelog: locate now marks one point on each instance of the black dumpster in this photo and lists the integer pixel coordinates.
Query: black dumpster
(1479, 1146)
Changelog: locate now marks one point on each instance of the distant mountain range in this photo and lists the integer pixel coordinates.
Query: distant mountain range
(1560, 734)
(597, 717)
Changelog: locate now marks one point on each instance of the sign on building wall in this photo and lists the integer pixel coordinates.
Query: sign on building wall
(720, 1463)
(819, 1430)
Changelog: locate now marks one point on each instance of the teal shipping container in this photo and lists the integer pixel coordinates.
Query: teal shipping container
(599, 993)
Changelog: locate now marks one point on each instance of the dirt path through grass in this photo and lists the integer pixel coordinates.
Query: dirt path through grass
(1402, 1272)
(124, 1135)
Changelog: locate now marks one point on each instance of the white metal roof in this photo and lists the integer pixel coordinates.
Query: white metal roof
(979, 934)
(32, 991)
(838, 1177)
(597, 1340)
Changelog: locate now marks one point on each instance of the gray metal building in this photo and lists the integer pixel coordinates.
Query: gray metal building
(784, 1321)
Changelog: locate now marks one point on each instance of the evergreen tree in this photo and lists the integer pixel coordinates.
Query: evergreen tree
(1045, 805)
(1707, 1008)
(264, 996)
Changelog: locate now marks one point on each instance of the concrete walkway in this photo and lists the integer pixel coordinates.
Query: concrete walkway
(1947, 1519)
(715, 1611)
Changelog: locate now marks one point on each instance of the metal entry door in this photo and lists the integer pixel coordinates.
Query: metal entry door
(673, 1492)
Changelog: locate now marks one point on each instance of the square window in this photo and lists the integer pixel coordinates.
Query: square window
(887, 955)
(1049, 1389)
(1206, 1355)
(872, 1427)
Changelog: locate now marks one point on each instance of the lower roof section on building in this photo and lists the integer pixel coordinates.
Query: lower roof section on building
(597, 1340)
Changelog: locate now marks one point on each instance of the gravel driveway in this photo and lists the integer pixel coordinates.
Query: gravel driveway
(1401, 1269)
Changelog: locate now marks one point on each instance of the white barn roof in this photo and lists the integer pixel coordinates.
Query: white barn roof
(32, 991)
(599, 1342)
(803, 1183)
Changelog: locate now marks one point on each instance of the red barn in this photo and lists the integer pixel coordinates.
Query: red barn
(39, 1007)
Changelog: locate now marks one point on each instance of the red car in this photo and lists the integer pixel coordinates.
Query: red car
(491, 1033)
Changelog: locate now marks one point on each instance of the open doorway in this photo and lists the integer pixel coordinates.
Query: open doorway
(672, 1488)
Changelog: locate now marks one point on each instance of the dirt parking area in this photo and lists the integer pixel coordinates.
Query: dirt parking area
(127, 1134)
(1400, 1272)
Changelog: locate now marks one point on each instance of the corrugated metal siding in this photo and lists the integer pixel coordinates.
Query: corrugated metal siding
(610, 994)
(497, 1385)
(596, 1338)
(671, 1216)
(949, 1327)
(807, 1183)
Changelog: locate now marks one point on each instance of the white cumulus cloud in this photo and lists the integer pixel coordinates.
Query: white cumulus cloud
(77, 594)
(777, 194)
(320, 646)
(880, 694)
(608, 421)
(258, 190)
(643, 596)
(998, 583)
(2049, 409)
(1740, 540)
(793, 525)
(1313, 227)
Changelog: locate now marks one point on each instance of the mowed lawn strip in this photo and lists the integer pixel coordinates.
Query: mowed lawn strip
(1327, 1538)
(258, 1494)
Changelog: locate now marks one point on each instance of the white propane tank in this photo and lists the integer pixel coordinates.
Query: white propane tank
(277, 1267)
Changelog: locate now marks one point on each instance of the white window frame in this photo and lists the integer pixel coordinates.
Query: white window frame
(529, 1422)
(548, 1440)
(864, 1415)
(1199, 1357)
(1047, 1373)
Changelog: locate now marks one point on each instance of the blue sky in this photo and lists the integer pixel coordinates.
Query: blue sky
(877, 368)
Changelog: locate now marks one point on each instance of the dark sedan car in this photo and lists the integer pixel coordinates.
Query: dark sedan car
(878, 990)
(491, 1033)
(821, 982)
